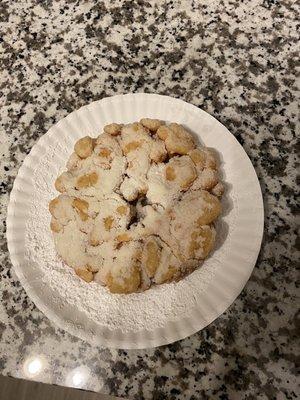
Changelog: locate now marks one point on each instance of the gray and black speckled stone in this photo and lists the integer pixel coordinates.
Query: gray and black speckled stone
(235, 59)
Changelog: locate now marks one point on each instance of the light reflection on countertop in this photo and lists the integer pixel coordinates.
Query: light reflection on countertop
(38, 367)
(34, 366)
(78, 377)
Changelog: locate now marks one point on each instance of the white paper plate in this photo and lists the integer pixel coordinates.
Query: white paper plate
(210, 289)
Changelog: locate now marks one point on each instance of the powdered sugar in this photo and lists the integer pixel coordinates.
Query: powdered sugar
(134, 312)
(87, 311)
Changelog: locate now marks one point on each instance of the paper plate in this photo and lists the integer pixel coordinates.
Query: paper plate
(167, 312)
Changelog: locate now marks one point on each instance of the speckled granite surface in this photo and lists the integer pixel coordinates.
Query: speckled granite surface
(236, 60)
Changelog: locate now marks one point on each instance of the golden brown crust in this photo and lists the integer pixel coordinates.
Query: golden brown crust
(151, 257)
(170, 173)
(177, 139)
(84, 147)
(52, 205)
(81, 206)
(126, 285)
(151, 124)
(211, 211)
(131, 147)
(108, 222)
(55, 226)
(202, 238)
(59, 184)
(123, 237)
(87, 180)
(84, 274)
(113, 129)
(122, 210)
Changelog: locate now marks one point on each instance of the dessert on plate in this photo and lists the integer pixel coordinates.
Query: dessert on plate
(136, 206)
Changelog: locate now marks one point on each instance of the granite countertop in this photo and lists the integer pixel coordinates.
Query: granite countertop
(234, 59)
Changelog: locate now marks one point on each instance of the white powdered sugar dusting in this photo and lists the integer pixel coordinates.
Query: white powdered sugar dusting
(129, 313)
(165, 312)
